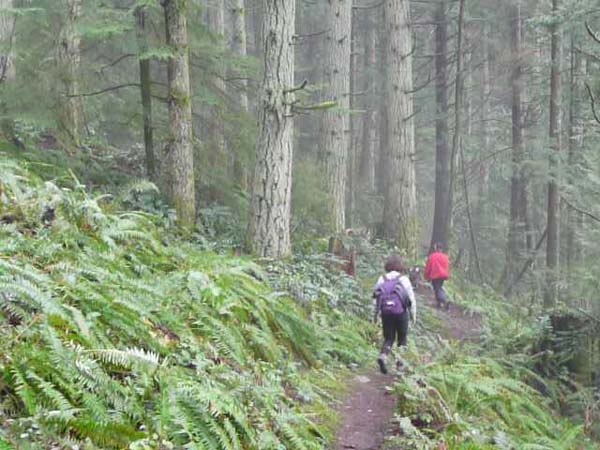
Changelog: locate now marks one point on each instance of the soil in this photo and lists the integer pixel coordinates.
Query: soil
(367, 413)
(368, 410)
(456, 324)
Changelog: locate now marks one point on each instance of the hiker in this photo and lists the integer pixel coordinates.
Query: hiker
(437, 271)
(394, 299)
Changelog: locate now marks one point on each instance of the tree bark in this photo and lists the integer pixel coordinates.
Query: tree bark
(518, 213)
(7, 65)
(180, 154)
(354, 130)
(441, 214)
(576, 133)
(458, 108)
(335, 144)
(215, 18)
(257, 37)
(7, 37)
(239, 48)
(69, 59)
(239, 45)
(370, 135)
(551, 288)
(145, 91)
(269, 231)
(485, 116)
(400, 221)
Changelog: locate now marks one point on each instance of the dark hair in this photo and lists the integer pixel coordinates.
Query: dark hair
(437, 247)
(394, 263)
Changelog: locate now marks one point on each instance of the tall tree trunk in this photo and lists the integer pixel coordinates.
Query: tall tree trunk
(238, 44)
(370, 135)
(576, 133)
(552, 246)
(458, 108)
(145, 91)
(215, 18)
(257, 37)
(335, 138)
(180, 154)
(483, 131)
(354, 130)
(69, 57)
(382, 154)
(518, 213)
(7, 65)
(239, 48)
(400, 221)
(269, 232)
(7, 37)
(468, 80)
(441, 214)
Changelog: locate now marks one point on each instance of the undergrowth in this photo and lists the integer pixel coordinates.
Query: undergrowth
(117, 333)
(507, 390)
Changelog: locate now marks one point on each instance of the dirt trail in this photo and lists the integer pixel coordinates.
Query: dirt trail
(367, 413)
(369, 409)
(455, 323)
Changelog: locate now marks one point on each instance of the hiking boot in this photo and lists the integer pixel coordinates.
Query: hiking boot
(382, 366)
(447, 306)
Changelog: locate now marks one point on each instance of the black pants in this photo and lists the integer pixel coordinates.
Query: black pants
(394, 325)
(440, 294)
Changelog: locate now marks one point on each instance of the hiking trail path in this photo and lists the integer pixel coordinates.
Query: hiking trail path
(370, 406)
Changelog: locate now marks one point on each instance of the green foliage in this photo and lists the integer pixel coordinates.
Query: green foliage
(311, 213)
(505, 391)
(479, 402)
(115, 333)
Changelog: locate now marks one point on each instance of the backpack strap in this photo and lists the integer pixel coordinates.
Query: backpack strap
(403, 294)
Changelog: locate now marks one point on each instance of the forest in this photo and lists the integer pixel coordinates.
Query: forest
(198, 196)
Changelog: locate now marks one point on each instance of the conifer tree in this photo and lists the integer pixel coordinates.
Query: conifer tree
(269, 233)
(335, 143)
(180, 156)
(400, 219)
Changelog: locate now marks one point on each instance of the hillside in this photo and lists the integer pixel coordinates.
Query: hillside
(119, 330)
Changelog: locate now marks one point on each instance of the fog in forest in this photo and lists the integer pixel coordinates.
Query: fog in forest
(284, 129)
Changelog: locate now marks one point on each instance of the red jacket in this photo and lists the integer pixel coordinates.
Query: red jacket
(438, 267)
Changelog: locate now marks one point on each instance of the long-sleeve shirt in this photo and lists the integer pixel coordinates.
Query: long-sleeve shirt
(405, 281)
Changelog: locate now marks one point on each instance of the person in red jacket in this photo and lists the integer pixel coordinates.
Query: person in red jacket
(437, 271)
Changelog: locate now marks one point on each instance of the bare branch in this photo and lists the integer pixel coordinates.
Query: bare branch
(413, 49)
(579, 210)
(103, 91)
(592, 33)
(591, 94)
(310, 35)
(422, 86)
(117, 61)
(297, 88)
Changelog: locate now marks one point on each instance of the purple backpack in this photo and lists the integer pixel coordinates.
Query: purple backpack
(392, 297)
